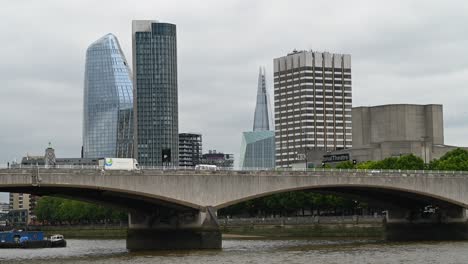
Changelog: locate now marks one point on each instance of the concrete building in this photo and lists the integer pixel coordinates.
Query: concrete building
(258, 146)
(51, 160)
(155, 92)
(190, 149)
(312, 105)
(107, 101)
(219, 159)
(393, 130)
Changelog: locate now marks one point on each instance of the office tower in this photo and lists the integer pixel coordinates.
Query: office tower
(155, 104)
(190, 149)
(312, 105)
(108, 101)
(258, 146)
(262, 117)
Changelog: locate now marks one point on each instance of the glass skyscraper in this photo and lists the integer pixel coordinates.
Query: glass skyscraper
(156, 105)
(108, 101)
(262, 117)
(258, 150)
(258, 146)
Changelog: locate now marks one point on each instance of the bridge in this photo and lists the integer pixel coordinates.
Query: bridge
(176, 209)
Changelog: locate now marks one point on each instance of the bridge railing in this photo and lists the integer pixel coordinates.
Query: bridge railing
(68, 167)
(311, 170)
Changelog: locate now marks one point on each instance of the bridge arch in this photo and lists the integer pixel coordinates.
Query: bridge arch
(381, 195)
(124, 199)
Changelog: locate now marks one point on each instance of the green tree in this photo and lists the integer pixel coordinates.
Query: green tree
(410, 162)
(387, 164)
(367, 165)
(345, 165)
(456, 160)
(57, 210)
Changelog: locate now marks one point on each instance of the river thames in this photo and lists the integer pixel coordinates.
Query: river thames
(250, 251)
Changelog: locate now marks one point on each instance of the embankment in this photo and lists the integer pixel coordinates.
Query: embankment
(369, 227)
(305, 227)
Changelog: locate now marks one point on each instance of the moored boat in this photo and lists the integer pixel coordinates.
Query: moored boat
(58, 241)
(29, 239)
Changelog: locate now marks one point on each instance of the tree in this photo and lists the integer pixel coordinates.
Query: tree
(456, 160)
(367, 165)
(409, 162)
(57, 210)
(345, 165)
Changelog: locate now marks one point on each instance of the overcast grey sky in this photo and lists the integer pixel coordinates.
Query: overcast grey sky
(402, 52)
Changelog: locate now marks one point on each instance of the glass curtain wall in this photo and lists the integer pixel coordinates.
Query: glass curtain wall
(156, 106)
(108, 101)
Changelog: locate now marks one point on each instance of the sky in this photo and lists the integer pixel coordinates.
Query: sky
(402, 52)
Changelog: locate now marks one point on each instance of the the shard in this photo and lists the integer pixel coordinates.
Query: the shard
(258, 146)
(262, 117)
(108, 101)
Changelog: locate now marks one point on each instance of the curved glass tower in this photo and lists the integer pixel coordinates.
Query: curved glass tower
(108, 101)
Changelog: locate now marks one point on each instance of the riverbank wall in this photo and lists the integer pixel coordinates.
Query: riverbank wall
(308, 227)
(104, 232)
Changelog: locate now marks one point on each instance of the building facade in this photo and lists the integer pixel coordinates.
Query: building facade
(394, 130)
(257, 150)
(190, 149)
(18, 218)
(156, 102)
(108, 101)
(20, 203)
(313, 103)
(4, 207)
(219, 159)
(258, 146)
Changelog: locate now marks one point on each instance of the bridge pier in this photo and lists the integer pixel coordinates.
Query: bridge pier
(174, 230)
(411, 225)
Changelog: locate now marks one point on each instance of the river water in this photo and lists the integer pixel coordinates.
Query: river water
(250, 251)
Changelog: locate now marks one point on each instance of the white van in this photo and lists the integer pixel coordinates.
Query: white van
(118, 164)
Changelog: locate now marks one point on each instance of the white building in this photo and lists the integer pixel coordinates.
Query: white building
(312, 92)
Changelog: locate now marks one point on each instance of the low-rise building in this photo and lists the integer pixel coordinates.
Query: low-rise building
(394, 130)
(24, 201)
(190, 149)
(219, 159)
(19, 217)
(257, 150)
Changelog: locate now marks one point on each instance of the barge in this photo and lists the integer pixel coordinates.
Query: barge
(30, 239)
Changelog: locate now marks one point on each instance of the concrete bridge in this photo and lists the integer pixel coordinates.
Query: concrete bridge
(177, 208)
